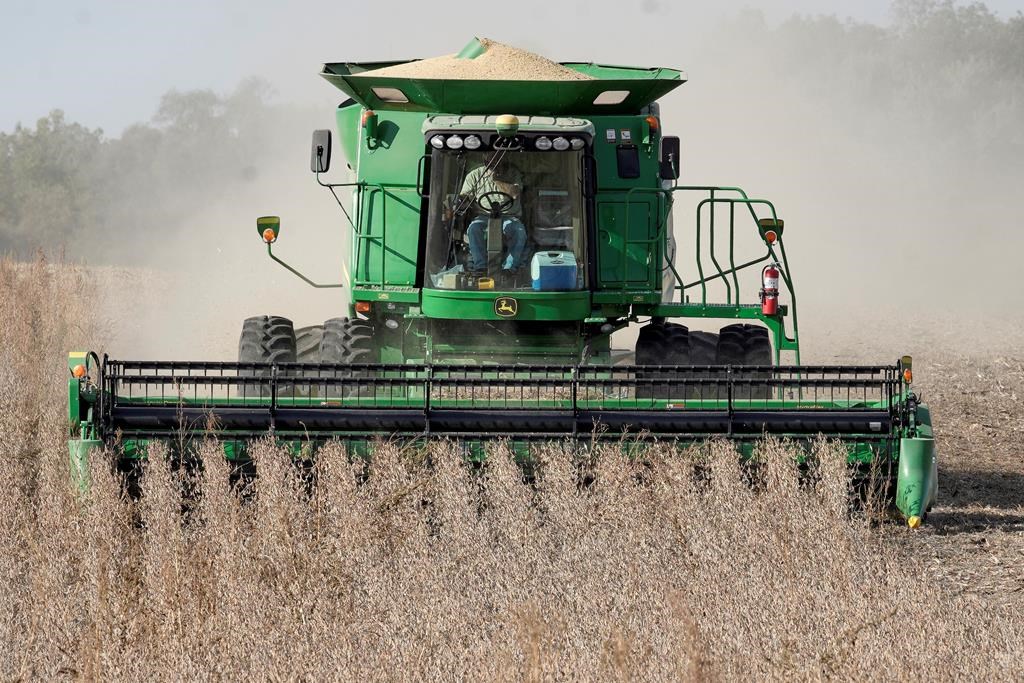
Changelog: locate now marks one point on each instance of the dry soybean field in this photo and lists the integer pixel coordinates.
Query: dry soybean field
(436, 572)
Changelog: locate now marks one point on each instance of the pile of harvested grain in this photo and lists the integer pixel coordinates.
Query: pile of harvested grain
(497, 62)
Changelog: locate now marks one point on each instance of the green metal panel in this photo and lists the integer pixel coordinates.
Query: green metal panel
(629, 231)
(443, 303)
(917, 482)
(510, 341)
(610, 133)
(388, 205)
(408, 295)
(75, 412)
(347, 118)
(79, 451)
(458, 96)
(624, 253)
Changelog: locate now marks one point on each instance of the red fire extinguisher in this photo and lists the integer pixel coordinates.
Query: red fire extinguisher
(770, 289)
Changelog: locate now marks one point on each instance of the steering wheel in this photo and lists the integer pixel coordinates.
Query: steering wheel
(501, 203)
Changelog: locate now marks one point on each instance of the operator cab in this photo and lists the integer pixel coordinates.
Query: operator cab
(506, 212)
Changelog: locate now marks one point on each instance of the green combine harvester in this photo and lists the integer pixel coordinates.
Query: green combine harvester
(501, 232)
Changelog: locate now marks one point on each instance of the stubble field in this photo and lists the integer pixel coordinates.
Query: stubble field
(428, 570)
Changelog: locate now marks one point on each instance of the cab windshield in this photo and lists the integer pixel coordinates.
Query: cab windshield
(506, 220)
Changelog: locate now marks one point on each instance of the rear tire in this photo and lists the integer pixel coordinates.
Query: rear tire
(661, 344)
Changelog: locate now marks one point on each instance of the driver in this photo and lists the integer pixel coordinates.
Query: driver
(506, 180)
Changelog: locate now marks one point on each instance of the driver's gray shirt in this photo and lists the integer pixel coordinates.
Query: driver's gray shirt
(480, 181)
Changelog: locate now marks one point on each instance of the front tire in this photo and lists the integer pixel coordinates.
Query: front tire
(265, 339)
(661, 344)
(349, 341)
(704, 351)
(740, 345)
(346, 341)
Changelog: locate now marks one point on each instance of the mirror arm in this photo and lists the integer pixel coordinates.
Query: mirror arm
(331, 186)
(270, 252)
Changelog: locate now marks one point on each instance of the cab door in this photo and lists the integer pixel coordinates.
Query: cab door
(627, 252)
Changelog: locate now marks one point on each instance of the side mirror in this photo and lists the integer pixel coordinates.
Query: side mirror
(320, 154)
(669, 158)
(268, 227)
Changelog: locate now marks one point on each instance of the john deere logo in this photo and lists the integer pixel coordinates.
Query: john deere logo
(506, 306)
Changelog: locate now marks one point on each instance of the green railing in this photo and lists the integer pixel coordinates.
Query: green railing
(368, 191)
(708, 272)
(363, 236)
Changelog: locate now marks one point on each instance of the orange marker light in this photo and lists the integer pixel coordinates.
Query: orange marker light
(908, 376)
(269, 236)
(362, 307)
(78, 371)
(652, 121)
(366, 115)
(770, 237)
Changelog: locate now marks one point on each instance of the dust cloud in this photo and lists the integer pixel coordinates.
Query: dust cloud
(892, 152)
(190, 288)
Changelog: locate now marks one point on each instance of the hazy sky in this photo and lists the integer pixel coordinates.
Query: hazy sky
(107, 62)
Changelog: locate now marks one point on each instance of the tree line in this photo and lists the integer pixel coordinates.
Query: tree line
(63, 183)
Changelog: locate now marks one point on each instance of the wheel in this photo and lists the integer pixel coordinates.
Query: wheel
(742, 344)
(703, 348)
(267, 339)
(498, 203)
(704, 351)
(307, 343)
(661, 344)
(348, 341)
(264, 339)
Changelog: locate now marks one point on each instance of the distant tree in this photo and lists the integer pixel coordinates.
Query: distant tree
(942, 75)
(61, 181)
(46, 178)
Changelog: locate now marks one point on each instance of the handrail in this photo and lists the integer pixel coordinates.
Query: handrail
(361, 187)
(744, 199)
(702, 279)
(382, 238)
(711, 250)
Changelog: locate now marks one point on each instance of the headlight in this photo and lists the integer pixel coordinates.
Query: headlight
(577, 143)
(437, 142)
(543, 144)
(561, 144)
(454, 142)
(472, 142)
